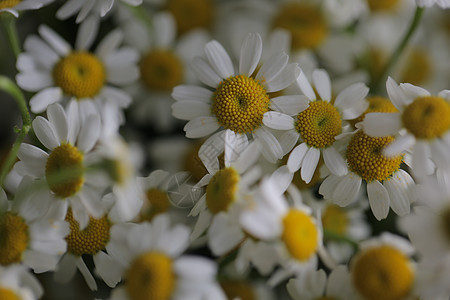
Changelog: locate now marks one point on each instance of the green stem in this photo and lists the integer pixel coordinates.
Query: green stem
(339, 238)
(399, 50)
(9, 23)
(10, 87)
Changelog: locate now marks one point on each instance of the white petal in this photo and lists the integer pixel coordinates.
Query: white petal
(328, 186)
(40, 262)
(190, 266)
(284, 79)
(200, 127)
(272, 148)
(109, 43)
(89, 133)
(382, 124)
(277, 120)
(211, 149)
(66, 268)
(105, 7)
(250, 54)
(219, 59)
(34, 81)
(30, 154)
(42, 53)
(282, 178)
(87, 33)
(188, 110)
(57, 116)
(421, 162)
(69, 9)
(378, 199)
(86, 274)
(106, 267)
(165, 29)
(412, 91)
(288, 140)
(290, 105)
(346, 192)
(40, 101)
(116, 96)
(334, 161)
(305, 86)
(84, 11)
(399, 145)
(309, 164)
(272, 67)
(322, 83)
(54, 40)
(192, 93)
(440, 153)
(122, 75)
(247, 157)
(296, 157)
(205, 73)
(351, 95)
(46, 132)
(398, 188)
(234, 145)
(396, 94)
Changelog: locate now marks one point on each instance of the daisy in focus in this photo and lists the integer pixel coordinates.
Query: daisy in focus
(153, 266)
(58, 73)
(315, 122)
(237, 101)
(422, 126)
(16, 6)
(17, 283)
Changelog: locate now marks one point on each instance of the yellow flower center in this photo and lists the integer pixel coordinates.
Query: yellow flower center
(319, 124)
(382, 5)
(14, 238)
(427, 117)
(8, 4)
(161, 70)
(237, 289)
(80, 74)
(239, 104)
(376, 104)
(64, 170)
(365, 158)
(335, 219)
(7, 294)
(300, 234)
(221, 190)
(159, 203)
(418, 68)
(383, 273)
(306, 24)
(191, 14)
(90, 240)
(150, 277)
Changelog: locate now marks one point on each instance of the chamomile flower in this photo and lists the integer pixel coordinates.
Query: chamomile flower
(423, 122)
(293, 232)
(153, 266)
(16, 6)
(383, 269)
(34, 240)
(315, 122)
(387, 184)
(238, 101)
(62, 169)
(50, 67)
(428, 3)
(84, 8)
(17, 283)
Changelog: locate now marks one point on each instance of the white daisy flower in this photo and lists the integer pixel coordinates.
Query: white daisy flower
(423, 122)
(62, 169)
(50, 67)
(17, 283)
(315, 122)
(293, 231)
(35, 240)
(238, 101)
(84, 8)
(153, 264)
(383, 269)
(164, 60)
(314, 284)
(387, 184)
(428, 3)
(16, 6)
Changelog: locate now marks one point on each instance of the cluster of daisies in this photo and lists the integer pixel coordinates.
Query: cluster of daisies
(315, 162)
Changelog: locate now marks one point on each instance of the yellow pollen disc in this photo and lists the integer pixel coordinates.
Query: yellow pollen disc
(306, 24)
(7, 294)
(427, 117)
(365, 158)
(383, 273)
(64, 170)
(418, 68)
(239, 104)
(90, 240)
(382, 5)
(335, 219)
(237, 289)
(161, 70)
(150, 277)
(80, 74)
(14, 238)
(159, 203)
(190, 14)
(300, 234)
(377, 104)
(8, 4)
(221, 190)
(319, 124)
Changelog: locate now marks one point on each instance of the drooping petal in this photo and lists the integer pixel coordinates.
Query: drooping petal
(378, 199)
